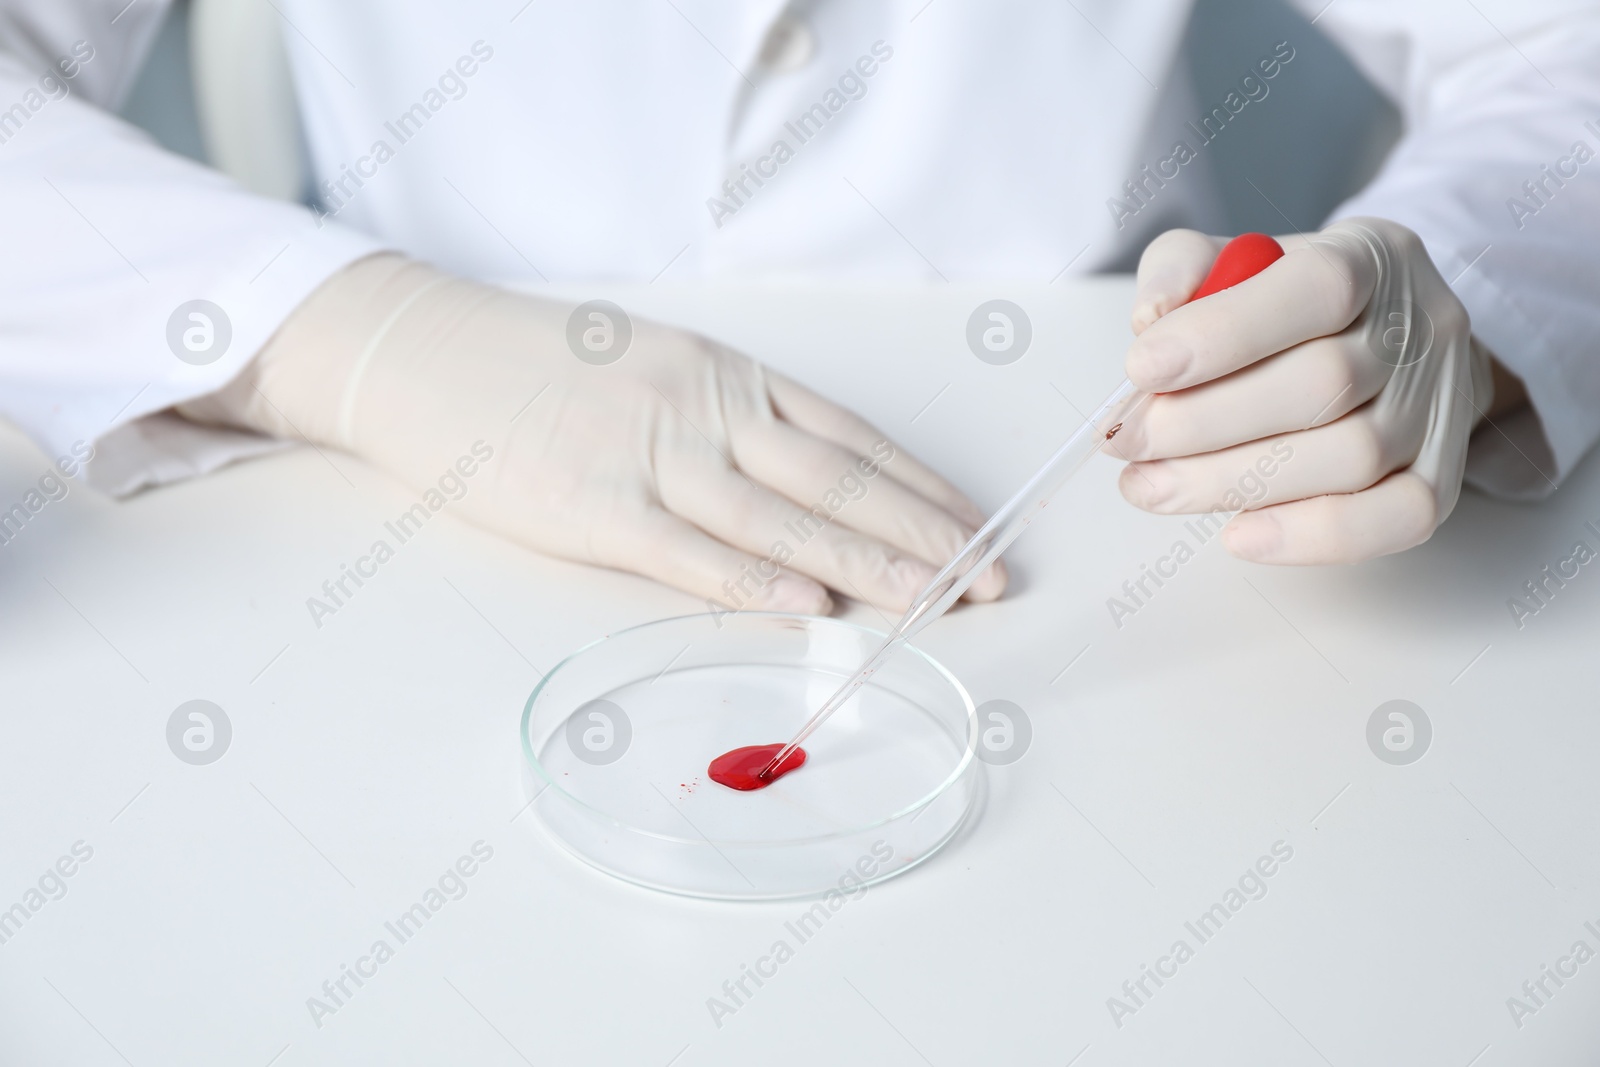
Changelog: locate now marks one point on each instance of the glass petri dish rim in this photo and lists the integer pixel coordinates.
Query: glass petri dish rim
(961, 767)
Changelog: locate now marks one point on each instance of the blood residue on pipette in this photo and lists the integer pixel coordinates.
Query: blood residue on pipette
(741, 769)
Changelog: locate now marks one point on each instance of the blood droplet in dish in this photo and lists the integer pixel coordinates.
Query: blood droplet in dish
(741, 769)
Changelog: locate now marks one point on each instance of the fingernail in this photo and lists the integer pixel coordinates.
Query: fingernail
(1148, 309)
(1160, 292)
(1146, 485)
(789, 593)
(1159, 362)
(991, 583)
(1256, 536)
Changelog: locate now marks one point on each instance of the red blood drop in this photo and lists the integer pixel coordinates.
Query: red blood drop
(741, 768)
(1243, 257)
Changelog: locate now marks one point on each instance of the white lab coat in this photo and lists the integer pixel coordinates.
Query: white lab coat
(517, 142)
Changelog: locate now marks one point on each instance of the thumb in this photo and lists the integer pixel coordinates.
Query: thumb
(1171, 269)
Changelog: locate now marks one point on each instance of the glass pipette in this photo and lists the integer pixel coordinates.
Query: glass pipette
(996, 535)
(1243, 257)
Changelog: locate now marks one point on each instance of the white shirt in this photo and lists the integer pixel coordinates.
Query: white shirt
(955, 139)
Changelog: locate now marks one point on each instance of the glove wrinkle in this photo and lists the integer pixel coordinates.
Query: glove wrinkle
(1414, 323)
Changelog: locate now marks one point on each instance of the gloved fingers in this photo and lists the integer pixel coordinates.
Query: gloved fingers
(823, 418)
(1170, 270)
(1346, 456)
(662, 546)
(811, 471)
(1308, 385)
(726, 504)
(1313, 291)
(1398, 513)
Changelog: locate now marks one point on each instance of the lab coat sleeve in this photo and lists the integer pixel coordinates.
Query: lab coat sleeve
(107, 236)
(1497, 172)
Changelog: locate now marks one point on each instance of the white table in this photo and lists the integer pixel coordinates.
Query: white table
(1230, 713)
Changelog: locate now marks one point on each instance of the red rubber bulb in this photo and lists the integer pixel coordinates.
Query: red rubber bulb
(1243, 257)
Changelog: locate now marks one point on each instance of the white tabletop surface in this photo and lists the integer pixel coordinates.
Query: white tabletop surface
(1227, 715)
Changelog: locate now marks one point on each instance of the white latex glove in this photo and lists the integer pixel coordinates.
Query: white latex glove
(682, 460)
(1330, 397)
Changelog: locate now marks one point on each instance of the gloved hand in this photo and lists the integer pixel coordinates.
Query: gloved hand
(682, 460)
(1330, 397)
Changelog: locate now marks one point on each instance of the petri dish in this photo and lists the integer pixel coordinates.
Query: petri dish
(617, 737)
